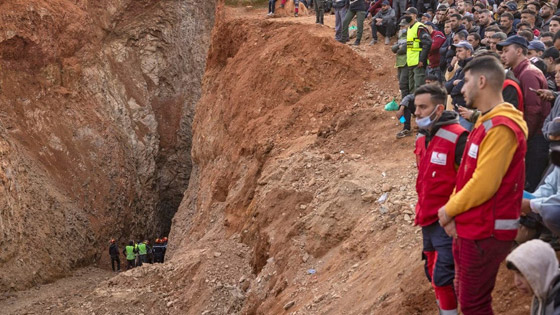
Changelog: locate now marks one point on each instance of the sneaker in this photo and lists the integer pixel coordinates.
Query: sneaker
(269, 14)
(296, 14)
(373, 42)
(403, 133)
(387, 40)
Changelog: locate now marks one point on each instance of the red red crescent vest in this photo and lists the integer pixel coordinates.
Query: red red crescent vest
(436, 172)
(508, 82)
(499, 216)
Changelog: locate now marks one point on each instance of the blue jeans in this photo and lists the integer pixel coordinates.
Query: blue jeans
(271, 5)
(339, 14)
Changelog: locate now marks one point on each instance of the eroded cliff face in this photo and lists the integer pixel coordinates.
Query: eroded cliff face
(96, 103)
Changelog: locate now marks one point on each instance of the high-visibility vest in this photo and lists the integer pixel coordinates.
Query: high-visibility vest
(498, 217)
(130, 252)
(436, 172)
(142, 249)
(413, 48)
(510, 82)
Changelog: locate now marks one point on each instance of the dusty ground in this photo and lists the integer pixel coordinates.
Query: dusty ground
(291, 151)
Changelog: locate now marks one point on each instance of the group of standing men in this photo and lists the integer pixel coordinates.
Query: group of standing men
(137, 254)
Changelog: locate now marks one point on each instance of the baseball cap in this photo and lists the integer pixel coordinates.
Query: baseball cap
(385, 2)
(427, 15)
(411, 10)
(536, 45)
(550, 5)
(431, 24)
(464, 44)
(512, 6)
(515, 39)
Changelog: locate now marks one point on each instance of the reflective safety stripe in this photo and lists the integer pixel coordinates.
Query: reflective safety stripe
(447, 135)
(448, 312)
(487, 125)
(506, 224)
(419, 136)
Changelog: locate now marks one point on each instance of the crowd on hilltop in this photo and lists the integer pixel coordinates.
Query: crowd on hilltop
(481, 79)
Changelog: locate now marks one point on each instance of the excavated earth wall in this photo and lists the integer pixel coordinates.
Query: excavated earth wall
(96, 104)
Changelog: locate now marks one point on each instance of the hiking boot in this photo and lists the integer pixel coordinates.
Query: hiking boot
(404, 133)
(387, 40)
(356, 43)
(373, 42)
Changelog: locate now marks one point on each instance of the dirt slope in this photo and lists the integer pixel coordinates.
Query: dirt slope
(291, 150)
(96, 103)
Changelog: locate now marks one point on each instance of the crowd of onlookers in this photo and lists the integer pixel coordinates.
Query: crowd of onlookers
(481, 79)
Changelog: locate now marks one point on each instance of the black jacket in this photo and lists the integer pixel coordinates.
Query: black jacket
(113, 250)
(455, 90)
(357, 5)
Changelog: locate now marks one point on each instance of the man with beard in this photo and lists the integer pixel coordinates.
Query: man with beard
(506, 24)
(484, 21)
(531, 79)
(547, 12)
(482, 215)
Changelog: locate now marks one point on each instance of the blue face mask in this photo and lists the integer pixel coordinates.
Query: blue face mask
(426, 122)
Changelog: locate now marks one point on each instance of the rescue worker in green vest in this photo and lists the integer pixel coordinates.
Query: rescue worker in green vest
(130, 253)
(418, 44)
(142, 252)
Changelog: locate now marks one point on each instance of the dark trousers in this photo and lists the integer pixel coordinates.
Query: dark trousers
(536, 161)
(402, 75)
(439, 264)
(416, 78)
(386, 29)
(130, 264)
(319, 11)
(271, 4)
(115, 259)
(408, 111)
(476, 268)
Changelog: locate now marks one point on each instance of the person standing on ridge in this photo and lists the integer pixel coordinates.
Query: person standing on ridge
(483, 213)
(418, 44)
(114, 253)
(130, 253)
(142, 252)
(356, 8)
(439, 149)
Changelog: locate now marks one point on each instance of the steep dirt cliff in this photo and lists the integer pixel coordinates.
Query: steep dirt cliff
(96, 104)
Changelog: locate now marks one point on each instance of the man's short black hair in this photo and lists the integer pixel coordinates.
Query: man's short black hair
(457, 16)
(547, 34)
(462, 34)
(431, 77)
(493, 28)
(557, 36)
(527, 11)
(555, 18)
(480, 5)
(437, 92)
(490, 67)
(557, 61)
(524, 50)
(507, 15)
(475, 35)
(486, 11)
(469, 18)
(528, 35)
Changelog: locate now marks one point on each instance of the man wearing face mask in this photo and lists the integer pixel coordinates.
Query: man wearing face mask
(439, 149)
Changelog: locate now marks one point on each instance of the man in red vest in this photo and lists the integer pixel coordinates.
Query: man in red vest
(439, 148)
(483, 213)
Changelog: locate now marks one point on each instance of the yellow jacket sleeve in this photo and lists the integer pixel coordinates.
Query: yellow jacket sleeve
(494, 157)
